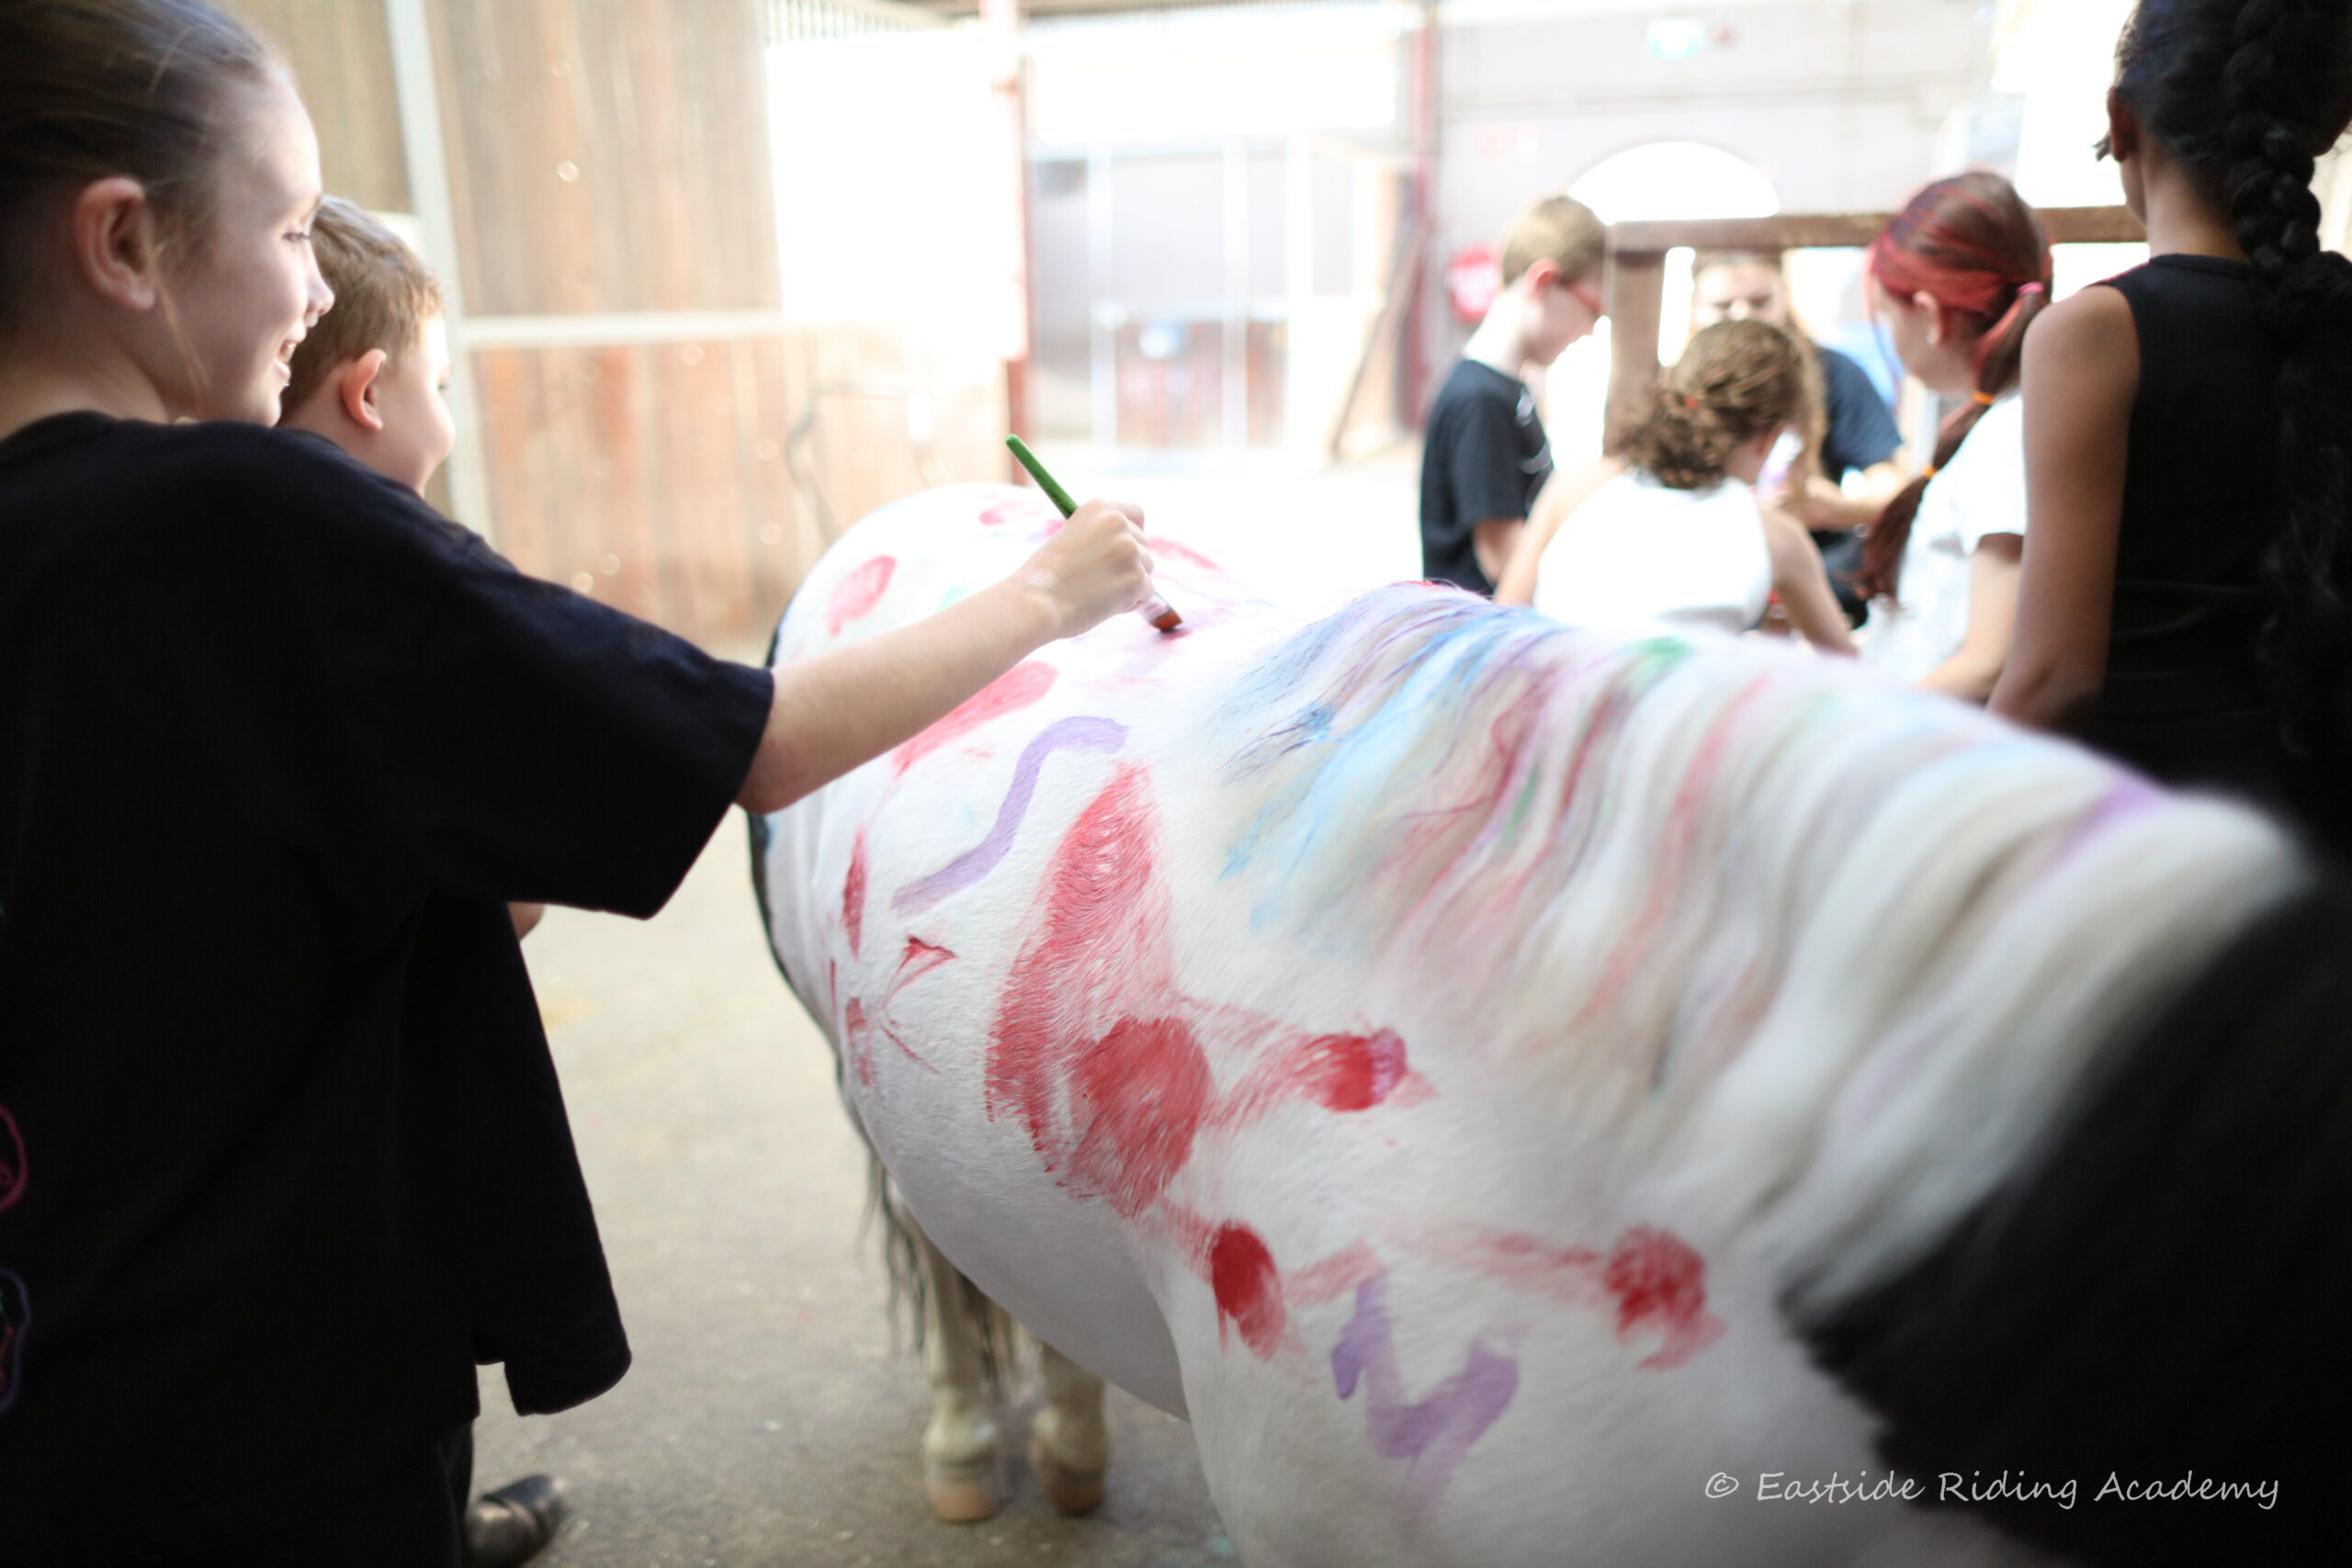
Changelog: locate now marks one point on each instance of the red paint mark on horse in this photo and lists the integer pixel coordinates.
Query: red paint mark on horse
(855, 1041)
(1660, 1282)
(1185, 553)
(892, 1035)
(858, 593)
(1249, 1289)
(1637, 940)
(1654, 1280)
(1329, 1279)
(1341, 1073)
(1014, 690)
(1350, 1072)
(1092, 947)
(1021, 508)
(1136, 1102)
(1526, 1262)
(917, 959)
(1087, 1049)
(854, 893)
(1100, 1054)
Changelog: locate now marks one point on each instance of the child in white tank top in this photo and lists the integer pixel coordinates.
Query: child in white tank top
(1673, 538)
(1639, 553)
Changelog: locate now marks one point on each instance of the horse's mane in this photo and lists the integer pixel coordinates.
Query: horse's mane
(1835, 946)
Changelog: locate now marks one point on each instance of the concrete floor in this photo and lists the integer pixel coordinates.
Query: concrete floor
(769, 1418)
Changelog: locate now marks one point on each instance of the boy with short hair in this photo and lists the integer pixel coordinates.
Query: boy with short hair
(369, 377)
(1486, 455)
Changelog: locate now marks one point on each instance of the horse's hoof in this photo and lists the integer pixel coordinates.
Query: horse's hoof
(1069, 1491)
(960, 1497)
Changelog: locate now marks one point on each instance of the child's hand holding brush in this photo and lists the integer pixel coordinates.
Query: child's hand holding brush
(1155, 609)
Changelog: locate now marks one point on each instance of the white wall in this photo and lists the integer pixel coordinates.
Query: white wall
(1840, 102)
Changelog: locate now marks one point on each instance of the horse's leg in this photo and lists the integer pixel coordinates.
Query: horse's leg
(1070, 1447)
(959, 1447)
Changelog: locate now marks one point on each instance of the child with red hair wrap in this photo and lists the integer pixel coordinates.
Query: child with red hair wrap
(1957, 277)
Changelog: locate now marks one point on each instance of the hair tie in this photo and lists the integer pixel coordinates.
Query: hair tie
(1987, 400)
(1927, 473)
(2033, 288)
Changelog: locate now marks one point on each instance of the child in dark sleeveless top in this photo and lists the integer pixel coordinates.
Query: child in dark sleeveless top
(2183, 604)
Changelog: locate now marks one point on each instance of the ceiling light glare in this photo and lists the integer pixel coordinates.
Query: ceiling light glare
(1676, 37)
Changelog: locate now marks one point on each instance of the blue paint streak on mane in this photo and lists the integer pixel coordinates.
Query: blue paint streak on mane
(1361, 692)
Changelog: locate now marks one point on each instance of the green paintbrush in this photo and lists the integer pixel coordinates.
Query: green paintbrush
(1156, 610)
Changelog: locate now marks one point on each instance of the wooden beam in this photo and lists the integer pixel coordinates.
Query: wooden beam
(2065, 226)
(1633, 289)
(1635, 281)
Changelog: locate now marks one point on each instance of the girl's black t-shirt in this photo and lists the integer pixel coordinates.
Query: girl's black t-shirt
(281, 1147)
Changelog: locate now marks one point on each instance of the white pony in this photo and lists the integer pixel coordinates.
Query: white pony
(1532, 1098)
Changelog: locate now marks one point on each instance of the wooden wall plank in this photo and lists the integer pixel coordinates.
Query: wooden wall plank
(611, 156)
(608, 155)
(342, 57)
(2065, 225)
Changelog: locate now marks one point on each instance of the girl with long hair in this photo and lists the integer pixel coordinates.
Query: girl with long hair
(277, 741)
(1958, 275)
(1673, 538)
(2186, 602)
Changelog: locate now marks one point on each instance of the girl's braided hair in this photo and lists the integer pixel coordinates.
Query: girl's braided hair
(2245, 93)
(1736, 381)
(1971, 244)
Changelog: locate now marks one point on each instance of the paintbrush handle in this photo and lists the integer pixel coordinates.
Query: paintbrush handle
(1157, 611)
(1046, 482)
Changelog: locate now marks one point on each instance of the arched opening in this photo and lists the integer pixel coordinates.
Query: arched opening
(1675, 179)
(1656, 180)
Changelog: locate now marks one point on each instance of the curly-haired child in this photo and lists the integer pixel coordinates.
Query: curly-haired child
(1674, 537)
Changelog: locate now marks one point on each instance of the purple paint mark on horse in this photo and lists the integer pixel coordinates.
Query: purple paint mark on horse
(16, 1316)
(12, 1159)
(1081, 734)
(2130, 797)
(1434, 1434)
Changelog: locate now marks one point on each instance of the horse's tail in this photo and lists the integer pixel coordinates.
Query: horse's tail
(992, 1328)
(2155, 1296)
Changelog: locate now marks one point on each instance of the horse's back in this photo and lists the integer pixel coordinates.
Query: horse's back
(1427, 1044)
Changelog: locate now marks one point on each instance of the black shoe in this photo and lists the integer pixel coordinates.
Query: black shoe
(513, 1523)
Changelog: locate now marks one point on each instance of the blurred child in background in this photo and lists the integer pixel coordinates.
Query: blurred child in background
(1486, 455)
(1673, 538)
(1957, 277)
(1855, 433)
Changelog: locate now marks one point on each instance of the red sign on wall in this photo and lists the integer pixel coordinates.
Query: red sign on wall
(1473, 278)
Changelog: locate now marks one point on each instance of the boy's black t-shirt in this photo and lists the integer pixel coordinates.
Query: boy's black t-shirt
(276, 742)
(1485, 456)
